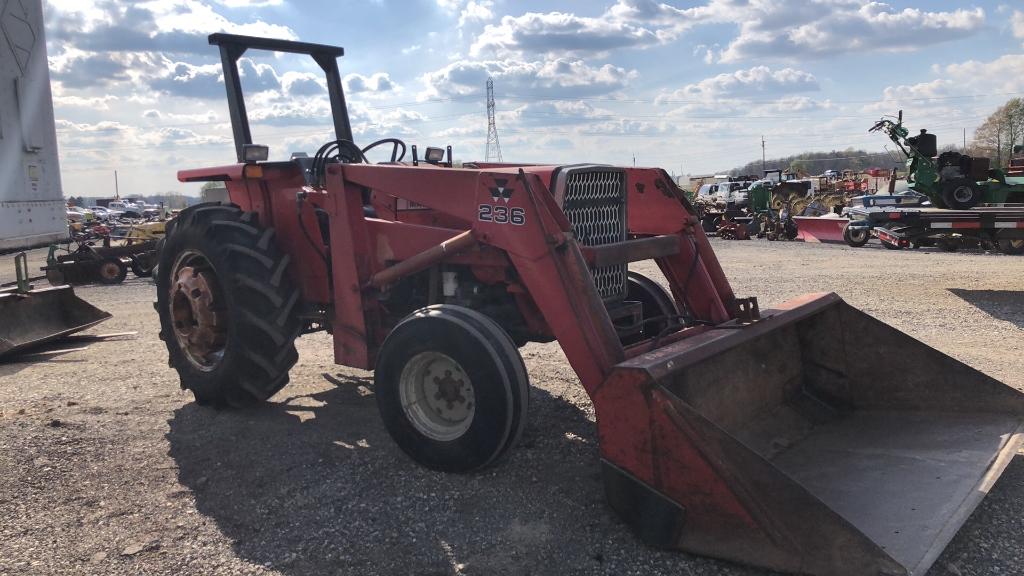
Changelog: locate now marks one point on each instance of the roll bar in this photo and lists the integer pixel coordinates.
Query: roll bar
(233, 46)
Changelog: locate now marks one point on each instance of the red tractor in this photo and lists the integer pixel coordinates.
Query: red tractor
(768, 437)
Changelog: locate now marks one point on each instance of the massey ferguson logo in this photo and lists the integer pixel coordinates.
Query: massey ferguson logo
(500, 212)
(500, 191)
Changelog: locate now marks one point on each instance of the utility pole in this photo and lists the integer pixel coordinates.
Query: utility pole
(493, 148)
(117, 190)
(762, 154)
(965, 140)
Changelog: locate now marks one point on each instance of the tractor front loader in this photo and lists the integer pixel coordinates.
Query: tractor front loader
(757, 436)
(34, 316)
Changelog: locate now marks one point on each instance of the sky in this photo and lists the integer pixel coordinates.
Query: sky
(688, 86)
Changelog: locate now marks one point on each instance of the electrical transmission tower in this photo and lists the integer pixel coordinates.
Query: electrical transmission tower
(493, 148)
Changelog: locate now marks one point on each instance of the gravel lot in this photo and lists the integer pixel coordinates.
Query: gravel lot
(107, 467)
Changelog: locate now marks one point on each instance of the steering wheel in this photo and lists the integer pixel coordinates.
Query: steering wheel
(396, 145)
(878, 126)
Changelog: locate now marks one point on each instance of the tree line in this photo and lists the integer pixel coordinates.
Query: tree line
(808, 163)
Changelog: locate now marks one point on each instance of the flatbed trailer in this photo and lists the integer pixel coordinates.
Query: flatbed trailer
(904, 226)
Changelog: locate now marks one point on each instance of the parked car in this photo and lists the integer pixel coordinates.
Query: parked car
(105, 214)
(79, 214)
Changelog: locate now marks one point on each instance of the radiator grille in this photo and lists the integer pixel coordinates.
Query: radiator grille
(595, 204)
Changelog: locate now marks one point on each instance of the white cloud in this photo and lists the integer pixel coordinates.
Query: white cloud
(557, 77)
(194, 17)
(756, 81)
(476, 12)
(999, 76)
(796, 29)
(627, 24)
(375, 83)
(92, 103)
(250, 3)
(1017, 24)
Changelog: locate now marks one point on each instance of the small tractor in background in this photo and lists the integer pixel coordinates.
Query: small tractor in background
(950, 180)
(757, 436)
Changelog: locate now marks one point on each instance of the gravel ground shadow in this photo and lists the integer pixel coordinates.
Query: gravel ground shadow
(314, 485)
(1005, 305)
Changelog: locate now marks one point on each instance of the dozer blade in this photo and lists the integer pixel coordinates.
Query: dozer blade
(38, 316)
(817, 440)
(817, 229)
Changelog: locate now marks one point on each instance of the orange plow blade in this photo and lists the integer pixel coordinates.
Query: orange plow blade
(814, 229)
(816, 440)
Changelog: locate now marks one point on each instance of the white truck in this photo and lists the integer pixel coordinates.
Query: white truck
(732, 193)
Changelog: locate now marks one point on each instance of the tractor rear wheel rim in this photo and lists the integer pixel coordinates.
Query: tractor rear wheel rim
(437, 396)
(963, 194)
(858, 235)
(198, 320)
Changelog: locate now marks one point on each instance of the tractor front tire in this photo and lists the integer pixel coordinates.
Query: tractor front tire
(659, 311)
(961, 194)
(451, 388)
(228, 309)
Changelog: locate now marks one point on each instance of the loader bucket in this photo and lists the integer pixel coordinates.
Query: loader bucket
(31, 318)
(817, 440)
(816, 229)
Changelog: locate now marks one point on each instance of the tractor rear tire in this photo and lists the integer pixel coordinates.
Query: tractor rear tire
(1013, 247)
(961, 194)
(856, 236)
(451, 388)
(111, 271)
(659, 311)
(228, 308)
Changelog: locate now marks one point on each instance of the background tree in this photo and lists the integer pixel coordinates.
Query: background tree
(1000, 132)
(819, 162)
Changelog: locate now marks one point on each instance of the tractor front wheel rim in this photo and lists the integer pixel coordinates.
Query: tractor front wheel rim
(437, 396)
(197, 318)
